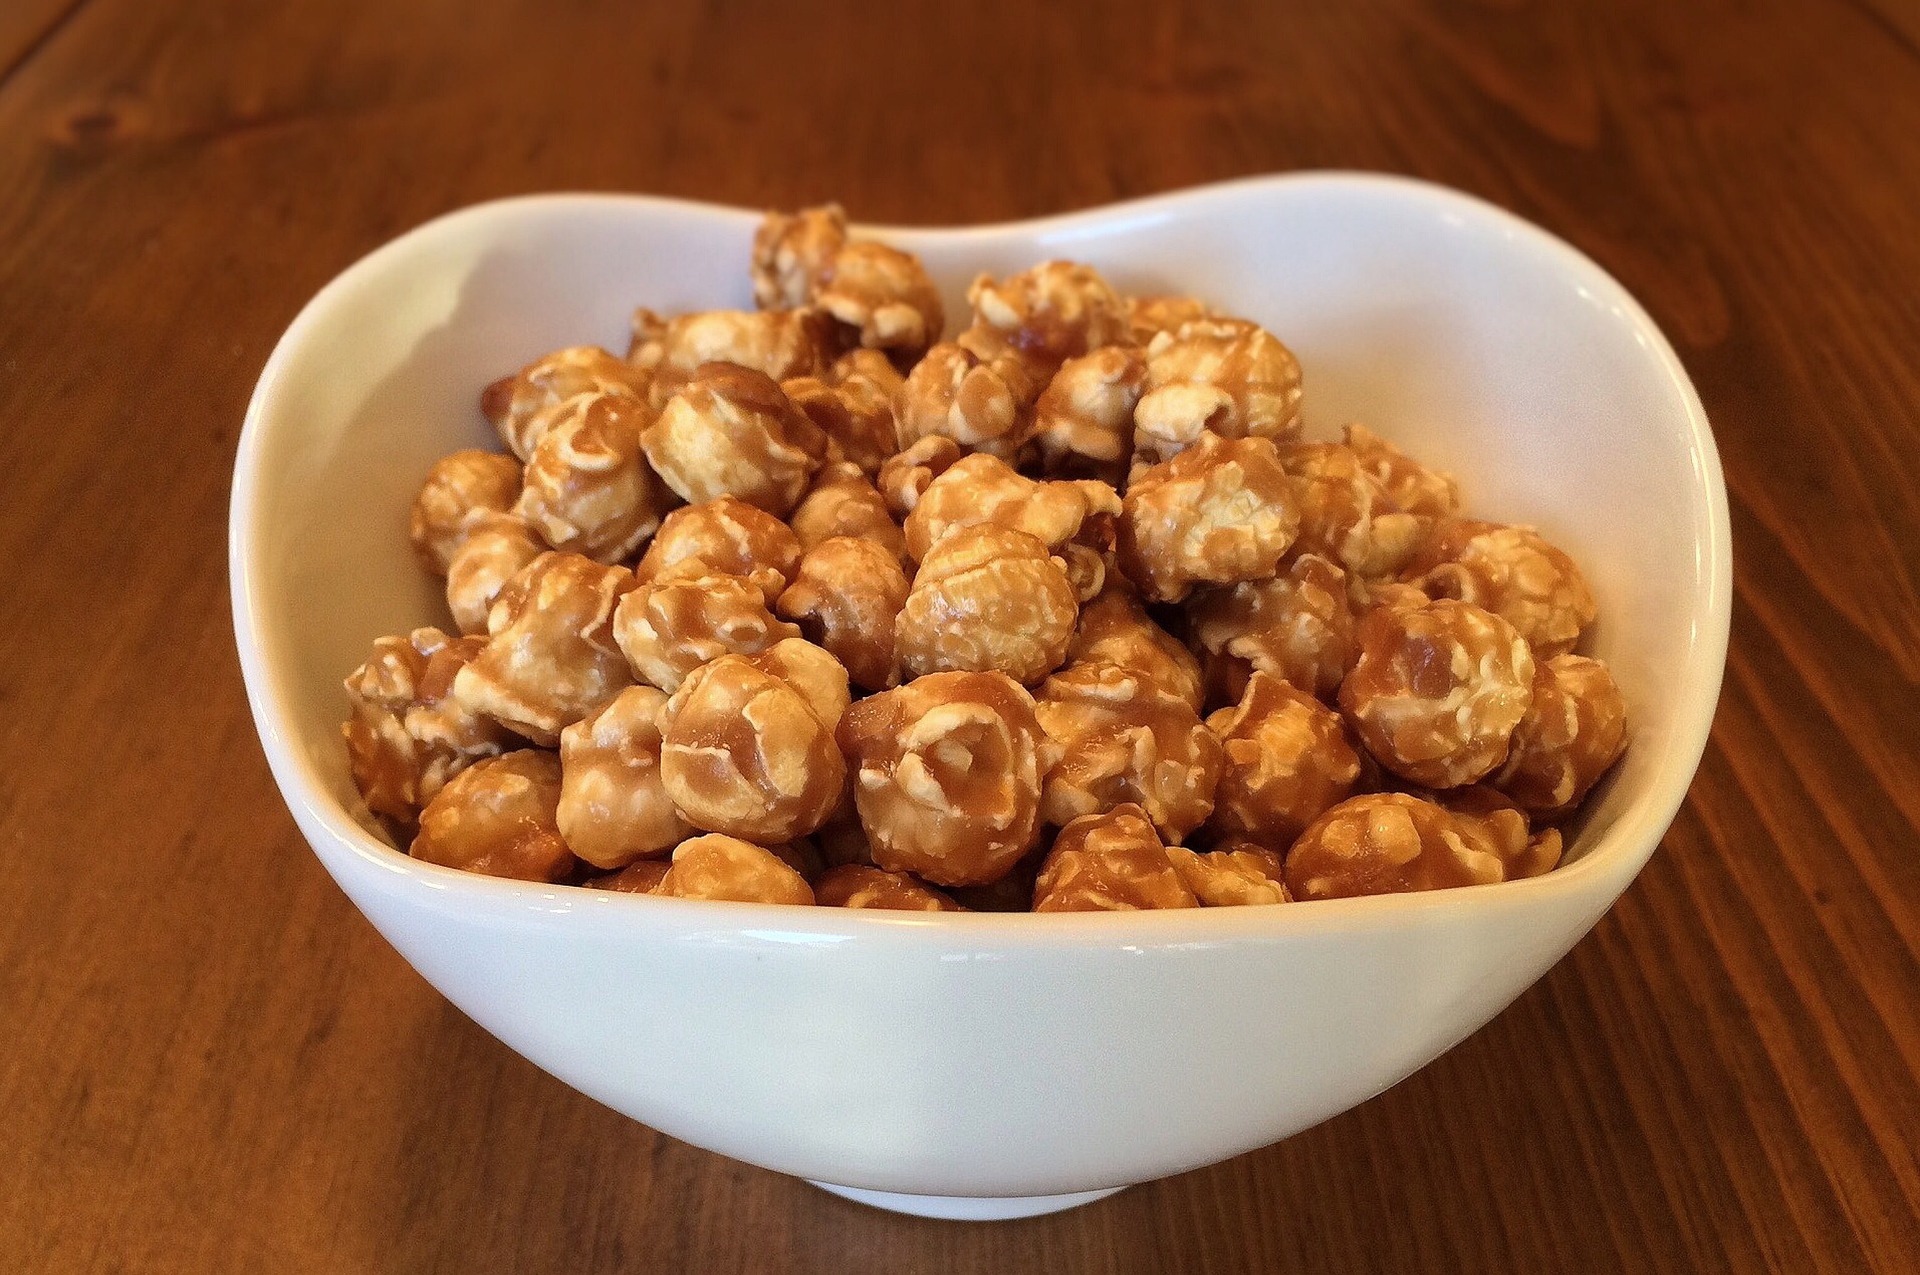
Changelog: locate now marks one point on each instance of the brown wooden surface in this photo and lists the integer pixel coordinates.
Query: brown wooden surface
(209, 1061)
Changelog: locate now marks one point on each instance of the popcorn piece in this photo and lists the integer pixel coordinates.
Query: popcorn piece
(641, 876)
(551, 658)
(460, 490)
(984, 405)
(811, 670)
(1391, 843)
(1053, 312)
(853, 886)
(613, 807)
(1574, 731)
(1083, 421)
(884, 294)
(981, 489)
(842, 502)
(904, 478)
(1115, 629)
(1148, 317)
(1297, 625)
(519, 406)
(856, 413)
(987, 598)
(744, 753)
(1437, 690)
(846, 597)
(947, 774)
(497, 547)
(723, 867)
(671, 627)
(497, 818)
(1109, 862)
(793, 254)
(1423, 492)
(778, 344)
(1512, 572)
(1124, 741)
(723, 537)
(1220, 512)
(588, 490)
(1287, 762)
(1239, 874)
(1346, 514)
(1215, 376)
(732, 432)
(408, 735)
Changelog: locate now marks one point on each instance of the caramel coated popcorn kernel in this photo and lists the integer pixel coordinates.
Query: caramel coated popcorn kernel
(671, 627)
(985, 598)
(1390, 843)
(1573, 732)
(460, 490)
(847, 596)
(731, 431)
(498, 818)
(1109, 862)
(613, 807)
(725, 537)
(1225, 377)
(721, 867)
(1125, 741)
(1220, 512)
(1287, 760)
(408, 734)
(1512, 572)
(588, 490)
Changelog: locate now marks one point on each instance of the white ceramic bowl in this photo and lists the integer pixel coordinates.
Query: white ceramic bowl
(992, 1065)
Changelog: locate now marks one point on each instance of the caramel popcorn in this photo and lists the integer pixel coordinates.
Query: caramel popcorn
(1411, 486)
(846, 597)
(497, 547)
(519, 406)
(904, 478)
(1287, 760)
(1297, 625)
(856, 413)
(1238, 874)
(1437, 690)
(778, 344)
(715, 866)
(811, 670)
(1109, 862)
(1053, 312)
(1513, 573)
(408, 734)
(947, 773)
(613, 806)
(724, 537)
(885, 295)
(1225, 377)
(854, 886)
(1125, 741)
(1574, 731)
(460, 490)
(1083, 421)
(551, 658)
(1148, 317)
(1220, 512)
(1346, 514)
(588, 490)
(987, 597)
(953, 393)
(639, 877)
(497, 818)
(981, 489)
(744, 753)
(670, 627)
(1391, 843)
(1115, 629)
(842, 502)
(732, 432)
(793, 254)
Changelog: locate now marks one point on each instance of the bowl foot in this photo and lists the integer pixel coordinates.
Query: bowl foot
(962, 1208)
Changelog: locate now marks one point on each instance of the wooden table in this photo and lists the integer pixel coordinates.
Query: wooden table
(208, 1061)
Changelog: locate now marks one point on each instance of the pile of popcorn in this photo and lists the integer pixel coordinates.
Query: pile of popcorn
(809, 605)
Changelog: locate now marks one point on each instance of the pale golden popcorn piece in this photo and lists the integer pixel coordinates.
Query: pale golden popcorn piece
(1053, 312)
(846, 597)
(1346, 514)
(732, 432)
(1423, 492)
(1572, 734)
(980, 489)
(1083, 420)
(613, 806)
(725, 537)
(984, 405)
(1287, 760)
(641, 876)
(1297, 625)
(408, 735)
(1392, 843)
(1148, 317)
(1512, 572)
(1220, 512)
(497, 547)
(778, 344)
(461, 489)
(518, 405)
(1436, 691)
(551, 658)
(856, 414)
(588, 490)
(497, 818)
(793, 253)
(1115, 629)
(721, 867)
(1109, 862)
(671, 627)
(1225, 377)
(905, 477)
(854, 886)
(1125, 741)
(987, 598)
(811, 670)
(745, 753)
(1238, 874)
(947, 773)
(885, 295)
(842, 502)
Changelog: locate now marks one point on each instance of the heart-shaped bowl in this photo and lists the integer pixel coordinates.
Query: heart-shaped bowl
(994, 1065)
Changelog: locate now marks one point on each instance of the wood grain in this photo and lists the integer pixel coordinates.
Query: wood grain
(211, 1062)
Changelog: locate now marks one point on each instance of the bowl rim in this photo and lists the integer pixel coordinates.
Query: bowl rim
(1602, 872)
